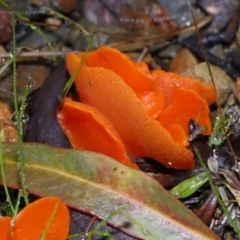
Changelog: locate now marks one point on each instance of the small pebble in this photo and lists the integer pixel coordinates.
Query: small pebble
(183, 60)
(225, 85)
(5, 27)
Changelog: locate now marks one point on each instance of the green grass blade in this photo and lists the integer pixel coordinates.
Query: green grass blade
(18, 116)
(189, 186)
(215, 191)
(3, 175)
(71, 80)
(43, 236)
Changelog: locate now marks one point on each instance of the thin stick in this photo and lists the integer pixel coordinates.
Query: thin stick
(143, 53)
(36, 54)
(91, 224)
(214, 85)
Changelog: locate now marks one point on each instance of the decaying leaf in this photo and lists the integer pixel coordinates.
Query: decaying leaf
(206, 210)
(98, 185)
(235, 192)
(231, 178)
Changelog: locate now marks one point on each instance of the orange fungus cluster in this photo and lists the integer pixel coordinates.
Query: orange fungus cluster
(127, 111)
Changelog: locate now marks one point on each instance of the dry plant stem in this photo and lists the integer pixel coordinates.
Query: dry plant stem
(26, 22)
(214, 85)
(6, 64)
(91, 224)
(143, 53)
(35, 53)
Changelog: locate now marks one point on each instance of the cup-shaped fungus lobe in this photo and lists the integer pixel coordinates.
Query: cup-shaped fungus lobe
(46, 218)
(33, 220)
(5, 228)
(142, 113)
(186, 105)
(167, 81)
(94, 131)
(134, 77)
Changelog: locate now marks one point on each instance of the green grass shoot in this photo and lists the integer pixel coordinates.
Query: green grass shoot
(189, 186)
(6, 65)
(218, 135)
(18, 116)
(97, 230)
(43, 236)
(3, 176)
(215, 191)
(120, 210)
(71, 80)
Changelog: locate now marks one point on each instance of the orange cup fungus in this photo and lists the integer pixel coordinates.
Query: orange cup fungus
(127, 111)
(47, 216)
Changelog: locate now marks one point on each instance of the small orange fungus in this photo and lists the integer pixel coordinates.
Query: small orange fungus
(5, 229)
(150, 119)
(48, 215)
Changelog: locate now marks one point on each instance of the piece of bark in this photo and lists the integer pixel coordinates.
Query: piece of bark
(43, 126)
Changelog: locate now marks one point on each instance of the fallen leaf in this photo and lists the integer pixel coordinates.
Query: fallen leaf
(98, 185)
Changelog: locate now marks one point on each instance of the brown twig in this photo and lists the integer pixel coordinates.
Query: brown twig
(36, 54)
(214, 85)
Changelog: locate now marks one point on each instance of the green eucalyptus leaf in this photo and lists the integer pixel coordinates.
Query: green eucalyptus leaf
(99, 185)
(189, 186)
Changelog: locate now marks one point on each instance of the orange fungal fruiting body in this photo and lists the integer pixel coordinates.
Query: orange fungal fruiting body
(151, 119)
(91, 126)
(138, 80)
(33, 221)
(5, 229)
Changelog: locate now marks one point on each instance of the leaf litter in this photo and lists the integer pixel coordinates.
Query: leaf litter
(162, 55)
